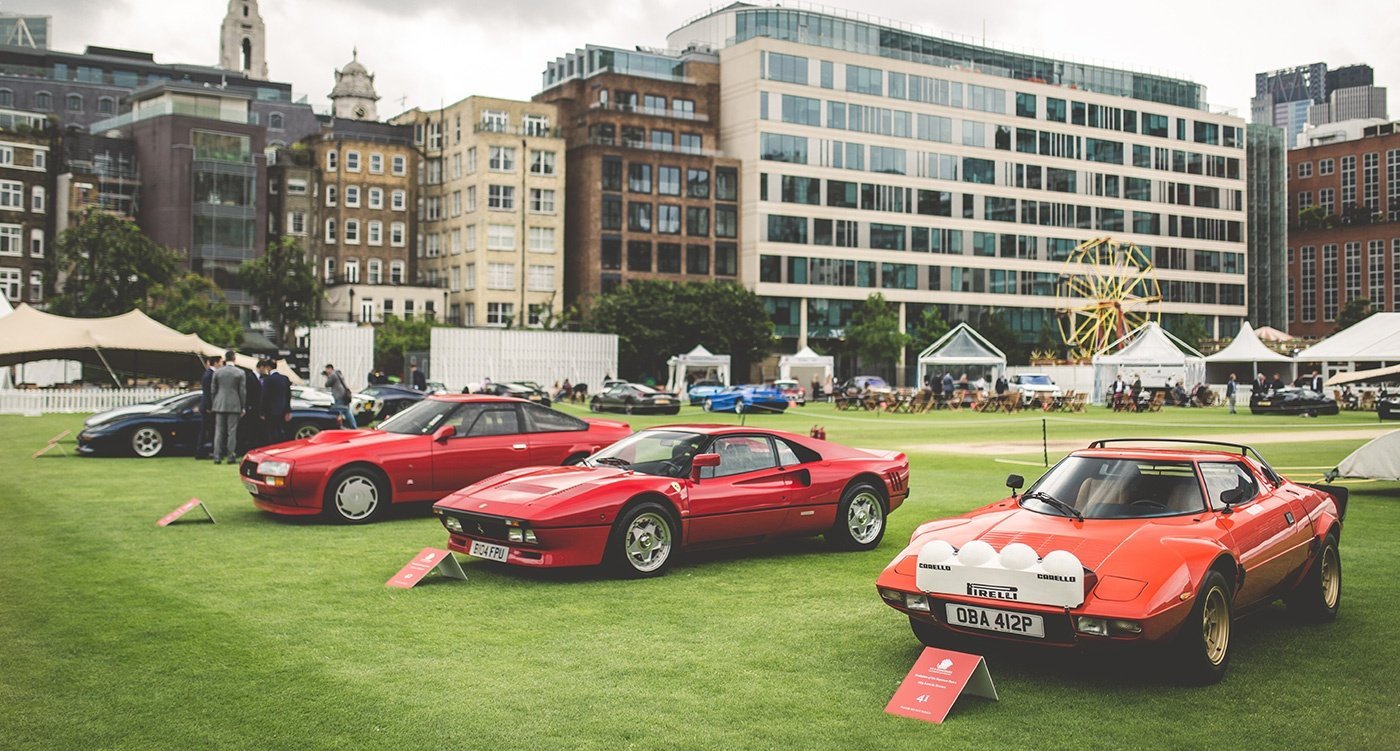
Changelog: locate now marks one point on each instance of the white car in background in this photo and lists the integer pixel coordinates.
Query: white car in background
(1034, 386)
(313, 396)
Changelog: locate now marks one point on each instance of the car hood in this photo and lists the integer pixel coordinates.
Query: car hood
(114, 414)
(534, 492)
(328, 441)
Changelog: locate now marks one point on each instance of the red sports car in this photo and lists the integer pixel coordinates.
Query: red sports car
(1127, 545)
(637, 503)
(428, 450)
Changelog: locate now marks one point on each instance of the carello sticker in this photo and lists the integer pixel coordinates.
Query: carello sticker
(1057, 578)
(991, 592)
(936, 566)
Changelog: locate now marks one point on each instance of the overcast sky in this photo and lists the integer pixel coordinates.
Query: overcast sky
(428, 52)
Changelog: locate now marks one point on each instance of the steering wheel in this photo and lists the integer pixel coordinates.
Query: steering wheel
(1149, 502)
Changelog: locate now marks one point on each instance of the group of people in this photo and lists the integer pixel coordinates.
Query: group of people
(416, 378)
(570, 392)
(232, 395)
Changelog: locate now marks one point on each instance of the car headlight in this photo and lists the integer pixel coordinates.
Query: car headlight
(274, 468)
(916, 602)
(452, 524)
(518, 532)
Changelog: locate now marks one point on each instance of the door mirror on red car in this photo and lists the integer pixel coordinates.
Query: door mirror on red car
(700, 462)
(443, 433)
(1232, 496)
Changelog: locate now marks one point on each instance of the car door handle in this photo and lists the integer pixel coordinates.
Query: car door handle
(519, 447)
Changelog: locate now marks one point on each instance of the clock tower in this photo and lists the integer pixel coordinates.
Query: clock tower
(353, 97)
(243, 40)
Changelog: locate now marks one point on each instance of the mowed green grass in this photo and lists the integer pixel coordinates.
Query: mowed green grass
(258, 632)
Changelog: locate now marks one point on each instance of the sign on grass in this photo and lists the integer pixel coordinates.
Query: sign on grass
(938, 678)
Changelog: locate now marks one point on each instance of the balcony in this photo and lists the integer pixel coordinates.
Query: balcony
(648, 146)
(528, 131)
(698, 117)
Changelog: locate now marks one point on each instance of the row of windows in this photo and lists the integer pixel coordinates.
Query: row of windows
(398, 162)
(1375, 275)
(643, 216)
(12, 241)
(12, 284)
(668, 179)
(668, 257)
(650, 104)
(635, 137)
(492, 121)
(498, 237)
(72, 103)
(12, 197)
(374, 269)
(374, 233)
(501, 276)
(374, 197)
(908, 87)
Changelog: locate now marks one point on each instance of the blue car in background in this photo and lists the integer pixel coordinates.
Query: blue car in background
(702, 390)
(741, 399)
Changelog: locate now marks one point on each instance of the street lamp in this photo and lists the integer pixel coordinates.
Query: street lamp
(350, 316)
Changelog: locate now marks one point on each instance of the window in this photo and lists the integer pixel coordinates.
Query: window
(352, 196)
(638, 216)
(726, 184)
(501, 159)
(396, 234)
(500, 276)
(330, 231)
(376, 198)
(639, 178)
(1025, 104)
(612, 173)
(500, 197)
(376, 163)
(74, 102)
(541, 201)
(654, 104)
(697, 221)
(500, 313)
(668, 181)
(1304, 169)
(36, 286)
(352, 231)
(375, 232)
(542, 162)
(36, 198)
(610, 252)
(726, 221)
(469, 277)
(1222, 476)
(395, 276)
(663, 140)
(638, 255)
(801, 110)
(398, 200)
(296, 223)
(542, 239)
(789, 68)
(697, 259)
(495, 121)
(11, 282)
(352, 161)
(1325, 166)
(36, 243)
(668, 219)
(500, 237)
(697, 183)
(783, 148)
(726, 259)
(374, 271)
(864, 80)
(7, 98)
(610, 213)
(471, 198)
(691, 143)
(683, 108)
(352, 270)
(536, 125)
(398, 164)
(668, 258)
(331, 192)
(801, 190)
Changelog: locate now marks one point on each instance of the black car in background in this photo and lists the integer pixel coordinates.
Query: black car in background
(635, 398)
(520, 390)
(173, 429)
(1292, 401)
(1388, 407)
(382, 400)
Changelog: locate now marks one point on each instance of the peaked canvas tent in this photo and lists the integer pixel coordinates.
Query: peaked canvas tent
(1375, 339)
(1151, 353)
(132, 342)
(698, 359)
(1377, 460)
(1389, 374)
(1271, 334)
(806, 365)
(962, 350)
(1246, 349)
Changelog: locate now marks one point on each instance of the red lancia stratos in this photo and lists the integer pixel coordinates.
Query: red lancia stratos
(1119, 544)
(637, 503)
(428, 450)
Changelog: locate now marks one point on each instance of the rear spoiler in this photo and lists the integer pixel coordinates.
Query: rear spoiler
(1338, 492)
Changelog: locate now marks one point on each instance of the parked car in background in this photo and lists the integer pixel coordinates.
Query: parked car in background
(173, 429)
(640, 502)
(1388, 407)
(746, 398)
(313, 396)
(442, 443)
(793, 391)
(1034, 387)
(865, 384)
(144, 408)
(436, 387)
(384, 400)
(1292, 401)
(530, 392)
(701, 390)
(1120, 545)
(635, 398)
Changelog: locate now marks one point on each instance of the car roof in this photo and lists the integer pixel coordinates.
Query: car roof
(1167, 454)
(473, 398)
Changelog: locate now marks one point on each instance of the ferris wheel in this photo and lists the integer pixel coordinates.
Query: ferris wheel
(1107, 290)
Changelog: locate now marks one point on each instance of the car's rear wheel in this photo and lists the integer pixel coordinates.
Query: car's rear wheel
(594, 406)
(147, 442)
(643, 541)
(708, 405)
(860, 519)
(1319, 595)
(628, 409)
(305, 430)
(739, 407)
(356, 495)
(1203, 646)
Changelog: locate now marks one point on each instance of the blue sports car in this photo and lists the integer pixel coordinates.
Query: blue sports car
(746, 399)
(702, 390)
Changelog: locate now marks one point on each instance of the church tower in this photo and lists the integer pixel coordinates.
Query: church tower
(243, 41)
(353, 97)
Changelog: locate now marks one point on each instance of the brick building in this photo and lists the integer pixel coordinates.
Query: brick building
(25, 216)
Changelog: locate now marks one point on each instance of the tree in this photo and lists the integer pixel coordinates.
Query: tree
(193, 304)
(929, 328)
(1190, 328)
(396, 337)
(1353, 312)
(874, 333)
(107, 266)
(285, 286)
(993, 327)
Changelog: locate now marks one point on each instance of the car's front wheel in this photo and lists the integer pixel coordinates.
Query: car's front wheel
(643, 541)
(708, 405)
(860, 519)
(356, 495)
(1203, 646)
(1318, 597)
(147, 442)
(739, 407)
(594, 406)
(305, 430)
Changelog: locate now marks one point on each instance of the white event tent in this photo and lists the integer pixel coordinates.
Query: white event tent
(699, 359)
(1151, 353)
(962, 350)
(806, 365)
(1246, 349)
(1377, 460)
(1375, 339)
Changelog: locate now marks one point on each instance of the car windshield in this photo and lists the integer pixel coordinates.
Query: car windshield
(641, 389)
(666, 453)
(419, 419)
(176, 403)
(1110, 488)
(1037, 380)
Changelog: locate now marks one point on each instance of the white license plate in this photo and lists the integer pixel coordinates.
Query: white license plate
(1264, 402)
(250, 487)
(488, 551)
(663, 401)
(989, 619)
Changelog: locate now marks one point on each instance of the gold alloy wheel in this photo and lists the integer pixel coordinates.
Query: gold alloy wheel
(1331, 577)
(1215, 625)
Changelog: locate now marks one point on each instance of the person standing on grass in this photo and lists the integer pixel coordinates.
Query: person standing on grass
(227, 397)
(276, 404)
(1230, 389)
(417, 379)
(206, 407)
(340, 392)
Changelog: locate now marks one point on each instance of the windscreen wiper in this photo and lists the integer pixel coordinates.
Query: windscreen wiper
(1045, 497)
(612, 460)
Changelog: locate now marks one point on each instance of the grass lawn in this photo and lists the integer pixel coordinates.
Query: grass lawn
(259, 632)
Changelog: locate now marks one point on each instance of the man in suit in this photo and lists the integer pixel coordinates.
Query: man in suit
(1316, 383)
(251, 431)
(228, 397)
(206, 403)
(417, 379)
(1231, 389)
(276, 404)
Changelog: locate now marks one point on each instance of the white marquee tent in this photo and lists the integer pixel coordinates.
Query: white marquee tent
(1151, 353)
(962, 350)
(1377, 460)
(806, 365)
(1246, 349)
(1373, 340)
(698, 359)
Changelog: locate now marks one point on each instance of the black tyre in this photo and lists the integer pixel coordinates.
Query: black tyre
(708, 405)
(356, 495)
(1202, 649)
(629, 408)
(1319, 595)
(147, 441)
(594, 406)
(675, 411)
(860, 518)
(644, 541)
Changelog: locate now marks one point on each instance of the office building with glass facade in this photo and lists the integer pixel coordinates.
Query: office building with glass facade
(876, 159)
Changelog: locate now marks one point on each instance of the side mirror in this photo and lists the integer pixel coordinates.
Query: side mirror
(699, 462)
(1015, 482)
(443, 433)
(1232, 496)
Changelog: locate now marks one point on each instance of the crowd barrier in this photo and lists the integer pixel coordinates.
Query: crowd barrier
(38, 401)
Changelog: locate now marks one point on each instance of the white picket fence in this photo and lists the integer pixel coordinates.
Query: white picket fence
(38, 401)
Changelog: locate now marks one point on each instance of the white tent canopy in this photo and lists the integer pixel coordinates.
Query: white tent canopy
(1377, 460)
(1245, 349)
(964, 350)
(1374, 375)
(698, 359)
(1374, 339)
(1151, 353)
(806, 365)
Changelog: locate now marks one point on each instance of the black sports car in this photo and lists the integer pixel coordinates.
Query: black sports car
(382, 400)
(635, 398)
(1388, 408)
(1292, 401)
(173, 429)
(527, 391)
